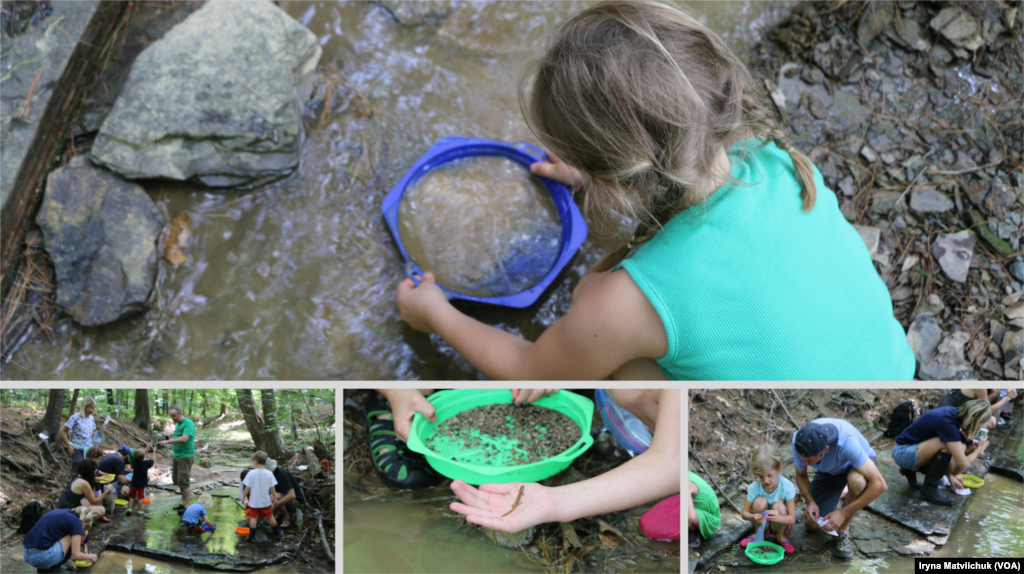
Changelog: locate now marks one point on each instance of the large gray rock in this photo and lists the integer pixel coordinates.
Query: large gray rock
(32, 63)
(218, 99)
(101, 233)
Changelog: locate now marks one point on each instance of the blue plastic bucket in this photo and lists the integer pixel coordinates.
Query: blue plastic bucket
(574, 229)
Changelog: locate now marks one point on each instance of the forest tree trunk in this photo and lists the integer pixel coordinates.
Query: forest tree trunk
(54, 411)
(111, 399)
(141, 418)
(272, 424)
(267, 441)
(74, 403)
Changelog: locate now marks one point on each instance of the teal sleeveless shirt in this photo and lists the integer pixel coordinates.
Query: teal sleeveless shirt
(749, 287)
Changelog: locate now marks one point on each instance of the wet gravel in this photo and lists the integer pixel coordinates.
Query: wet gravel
(539, 433)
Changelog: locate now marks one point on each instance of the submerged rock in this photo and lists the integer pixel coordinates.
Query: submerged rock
(101, 234)
(416, 12)
(217, 99)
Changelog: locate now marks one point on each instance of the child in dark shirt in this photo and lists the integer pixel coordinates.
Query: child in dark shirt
(140, 479)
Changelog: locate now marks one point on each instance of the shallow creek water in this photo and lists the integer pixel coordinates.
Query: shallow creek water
(120, 563)
(505, 238)
(992, 526)
(296, 280)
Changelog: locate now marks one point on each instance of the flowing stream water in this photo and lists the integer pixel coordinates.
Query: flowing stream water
(296, 280)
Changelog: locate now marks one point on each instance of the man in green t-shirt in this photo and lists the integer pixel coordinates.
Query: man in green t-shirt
(184, 449)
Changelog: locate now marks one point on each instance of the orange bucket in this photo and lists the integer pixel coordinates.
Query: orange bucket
(242, 531)
(145, 501)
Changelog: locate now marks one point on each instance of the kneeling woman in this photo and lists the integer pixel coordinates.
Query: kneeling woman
(57, 537)
(942, 440)
(83, 490)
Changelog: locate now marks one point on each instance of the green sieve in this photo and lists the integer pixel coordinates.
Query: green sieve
(501, 450)
(766, 559)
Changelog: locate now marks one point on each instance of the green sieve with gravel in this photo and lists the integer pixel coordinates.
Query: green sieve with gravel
(504, 435)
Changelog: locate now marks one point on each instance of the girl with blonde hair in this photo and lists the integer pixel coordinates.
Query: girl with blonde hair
(741, 265)
(942, 442)
(771, 497)
(57, 538)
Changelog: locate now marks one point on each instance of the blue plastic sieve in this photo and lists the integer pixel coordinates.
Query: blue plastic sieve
(530, 259)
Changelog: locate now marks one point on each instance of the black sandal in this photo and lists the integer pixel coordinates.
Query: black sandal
(397, 465)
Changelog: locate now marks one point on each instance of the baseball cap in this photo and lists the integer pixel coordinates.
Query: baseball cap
(271, 465)
(812, 438)
(125, 450)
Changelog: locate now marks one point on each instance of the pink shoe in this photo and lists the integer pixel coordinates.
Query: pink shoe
(746, 541)
(662, 521)
(788, 547)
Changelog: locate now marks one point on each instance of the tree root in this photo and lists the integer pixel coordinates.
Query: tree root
(323, 537)
(21, 467)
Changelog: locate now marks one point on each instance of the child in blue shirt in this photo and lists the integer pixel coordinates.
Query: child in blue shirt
(195, 516)
(771, 493)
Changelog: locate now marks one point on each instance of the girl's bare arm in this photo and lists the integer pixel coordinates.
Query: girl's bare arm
(611, 324)
(651, 475)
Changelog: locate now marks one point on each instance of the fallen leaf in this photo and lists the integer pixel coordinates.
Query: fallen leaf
(605, 527)
(569, 535)
(609, 541)
(181, 230)
(175, 255)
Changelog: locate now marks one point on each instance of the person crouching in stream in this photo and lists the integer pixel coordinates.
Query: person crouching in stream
(58, 538)
(942, 442)
(843, 459)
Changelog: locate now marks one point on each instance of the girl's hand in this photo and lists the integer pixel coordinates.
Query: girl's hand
(416, 302)
(1012, 393)
(773, 516)
(758, 519)
(404, 404)
(71, 450)
(982, 445)
(489, 505)
(557, 170)
(520, 396)
(956, 482)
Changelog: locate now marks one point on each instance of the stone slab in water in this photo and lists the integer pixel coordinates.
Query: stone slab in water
(101, 233)
(161, 536)
(902, 504)
(218, 99)
(728, 535)
(1006, 451)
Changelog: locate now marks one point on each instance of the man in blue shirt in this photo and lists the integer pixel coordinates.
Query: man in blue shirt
(842, 458)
